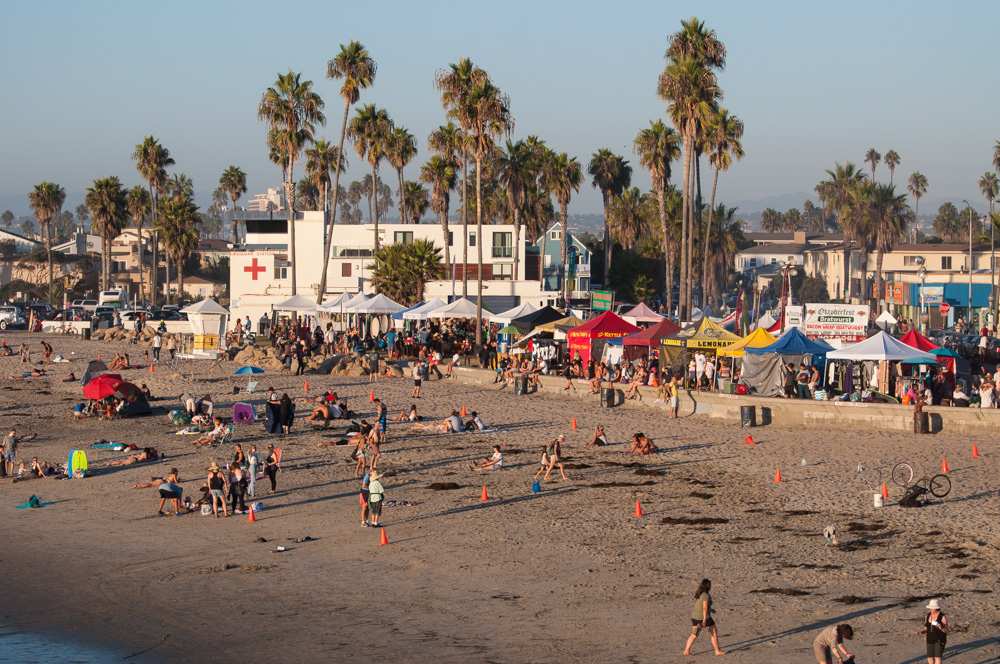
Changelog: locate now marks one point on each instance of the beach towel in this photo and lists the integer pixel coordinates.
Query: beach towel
(179, 417)
(109, 445)
(32, 502)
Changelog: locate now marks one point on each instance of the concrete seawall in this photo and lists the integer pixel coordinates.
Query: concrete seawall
(782, 412)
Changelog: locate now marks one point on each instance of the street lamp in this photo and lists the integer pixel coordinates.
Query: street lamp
(970, 262)
(922, 273)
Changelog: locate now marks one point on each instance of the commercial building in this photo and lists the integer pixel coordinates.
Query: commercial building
(270, 200)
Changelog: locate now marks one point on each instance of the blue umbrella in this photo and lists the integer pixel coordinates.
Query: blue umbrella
(248, 370)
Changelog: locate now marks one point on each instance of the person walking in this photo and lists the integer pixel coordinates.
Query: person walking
(702, 618)
(376, 496)
(554, 454)
(936, 629)
(828, 646)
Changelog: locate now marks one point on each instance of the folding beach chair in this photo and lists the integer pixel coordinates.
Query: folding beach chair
(251, 386)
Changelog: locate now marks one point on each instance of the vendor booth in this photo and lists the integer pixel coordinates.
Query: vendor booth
(587, 341)
(505, 317)
(529, 322)
(764, 367)
(705, 336)
(756, 339)
(877, 352)
(460, 308)
(641, 343)
(642, 315)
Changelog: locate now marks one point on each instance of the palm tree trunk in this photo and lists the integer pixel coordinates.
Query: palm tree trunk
(685, 218)
(878, 279)
(48, 252)
(541, 258)
(847, 271)
(465, 224)
(479, 249)
(668, 277)
(564, 250)
(180, 279)
(695, 224)
(708, 236)
(154, 276)
(607, 241)
(375, 199)
(166, 275)
(402, 197)
(371, 194)
(333, 212)
(447, 249)
(517, 243)
(290, 196)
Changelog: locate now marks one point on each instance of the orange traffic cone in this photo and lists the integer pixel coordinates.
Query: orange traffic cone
(572, 424)
(484, 496)
(777, 476)
(975, 451)
(638, 510)
(749, 440)
(383, 539)
(885, 491)
(305, 386)
(944, 465)
(371, 396)
(251, 517)
(464, 412)
(152, 368)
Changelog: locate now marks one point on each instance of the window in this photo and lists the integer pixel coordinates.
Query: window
(472, 239)
(402, 237)
(451, 239)
(585, 283)
(349, 252)
(555, 235)
(280, 272)
(911, 261)
(503, 245)
(503, 271)
(345, 269)
(548, 260)
(946, 262)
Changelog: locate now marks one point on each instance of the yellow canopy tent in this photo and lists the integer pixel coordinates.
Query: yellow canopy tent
(756, 339)
(562, 324)
(704, 336)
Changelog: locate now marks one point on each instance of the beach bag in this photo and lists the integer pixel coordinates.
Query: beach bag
(206, 510)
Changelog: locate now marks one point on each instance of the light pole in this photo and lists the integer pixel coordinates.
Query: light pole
(922, 273)
(970, 262)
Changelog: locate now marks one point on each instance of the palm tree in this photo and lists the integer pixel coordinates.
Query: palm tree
(234, 183)
(356, 68)
(369, 129)
(417, 201)
(46, 200)
(627, 217)
(105, 200)
(657, 146)
(291, 109)
(321, 158)
(890, 214)
(400, 149)
(152, 160)
(439, 173)
(836, 195)
(612, 175)
(996, 155)
(179, 227)
(401, 270)
(562, 176)
(139, 204)
(514, 170)
(724, 143)
(917, 186)
(892, 160)
(452, 143)
(989, 185)
(872, 158)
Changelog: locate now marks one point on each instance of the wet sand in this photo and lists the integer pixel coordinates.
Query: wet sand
(568, 574)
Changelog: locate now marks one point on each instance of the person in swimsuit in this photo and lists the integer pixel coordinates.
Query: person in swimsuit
(829, 644)
(600, 439)
(554, 453)
(363, 499)
(217, 487)
(936, 629)
(169, 489)
(702, 618)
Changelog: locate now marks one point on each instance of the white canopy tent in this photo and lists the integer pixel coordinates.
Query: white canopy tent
(641, 313)
(333, 306)
(348, 306)
(460, 308)
(885, 319)
(298, 304)
(766, 321)
(379, 305)
(506, 317)
(423, 311)
(882, 346)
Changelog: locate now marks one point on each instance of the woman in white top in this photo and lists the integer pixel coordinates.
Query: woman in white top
(986, 399)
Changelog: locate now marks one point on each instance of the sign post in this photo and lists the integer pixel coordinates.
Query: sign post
(601, 300)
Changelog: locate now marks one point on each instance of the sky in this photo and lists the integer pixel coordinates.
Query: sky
(814, 84)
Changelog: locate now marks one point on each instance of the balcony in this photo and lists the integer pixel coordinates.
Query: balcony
(502, 251)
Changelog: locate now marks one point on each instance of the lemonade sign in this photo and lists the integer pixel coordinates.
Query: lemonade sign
(847, 322)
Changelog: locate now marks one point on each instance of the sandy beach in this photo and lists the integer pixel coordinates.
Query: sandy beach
(568, 574)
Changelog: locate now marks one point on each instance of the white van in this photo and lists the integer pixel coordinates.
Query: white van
(112, 298)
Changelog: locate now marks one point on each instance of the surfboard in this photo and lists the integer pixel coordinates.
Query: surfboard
(76, 467)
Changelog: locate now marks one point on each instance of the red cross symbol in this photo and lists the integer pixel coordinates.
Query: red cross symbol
(254, 269)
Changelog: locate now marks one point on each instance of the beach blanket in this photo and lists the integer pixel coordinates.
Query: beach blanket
(32, 502)
(109, 445)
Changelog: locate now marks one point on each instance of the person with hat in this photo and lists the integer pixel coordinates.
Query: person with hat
(936, 629)
(376, 496)
(217, 485)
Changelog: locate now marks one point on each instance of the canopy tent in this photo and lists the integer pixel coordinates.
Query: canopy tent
(538, 317)
(653, 335)
(506, 317)
(333, 306)
(882, 346)
(561, 325)
(885, 319)
(460, 308)
(641, 313)
(766, 321)
(508, 330)
(706, 335)
(587, 340)
(348, 306)
(914, 339)
(297, 304)
(399, 314)
(756, 339)
(377, 305)
(208, 306)
(793, 342)
(423, 311)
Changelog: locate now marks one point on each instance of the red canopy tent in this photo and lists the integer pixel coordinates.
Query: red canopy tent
(916, 340)
(639, 343)
(608, 325)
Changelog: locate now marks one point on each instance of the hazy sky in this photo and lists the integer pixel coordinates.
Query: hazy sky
(83, 82)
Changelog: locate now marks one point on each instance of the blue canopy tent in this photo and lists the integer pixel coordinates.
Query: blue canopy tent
(763, 368)
(793, 342)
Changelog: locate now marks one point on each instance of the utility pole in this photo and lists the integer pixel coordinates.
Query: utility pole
(969, 321)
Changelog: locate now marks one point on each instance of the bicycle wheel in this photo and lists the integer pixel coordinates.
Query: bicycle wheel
(902, 474)
(940, 486)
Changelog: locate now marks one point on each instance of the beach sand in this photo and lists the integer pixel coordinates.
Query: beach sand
(565, 575)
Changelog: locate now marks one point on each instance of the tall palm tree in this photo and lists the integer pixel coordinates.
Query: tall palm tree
(439, 173)
(989, 185)
(46, 200)
(872, 158)
(321, 158)
(356, 68)
(152, 160)
(400, 149)
(179, 228)
(996, 155)
(917, 186)
(105, 200)
(724, 143)
(234, 183)
(612, 175)
(836, 194)
(291, 109)
(417, 201)
(890, 214)
(139, 204)
(892, 160)
(369, 129)
(562, 177)
(627, 217)
(657, 146)
(514, 170)
(451, 142)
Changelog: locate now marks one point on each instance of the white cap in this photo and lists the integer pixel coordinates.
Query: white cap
(933, 605)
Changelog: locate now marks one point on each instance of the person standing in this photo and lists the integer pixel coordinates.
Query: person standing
(829, 644)
(417, 379)
(253, 461)
(702, 618)
(271, 467)
(157, 345)
(237, 488)
(376, 496)
(172, 347)
(217, 488)
(9, 449)
(673, 388)
(363, 499)
(286, 413)
(936, 629)
(382, 413)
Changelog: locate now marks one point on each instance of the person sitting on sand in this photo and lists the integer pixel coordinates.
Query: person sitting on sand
(42, 468)
(5, 349)
(600, 439)
(146, 391)
(120, 362)
(71, 378)
(147, 454)
(320, 413)
(633, 387)
(642, 445)
(828, 645)
(410, 416)
(495, 462)
(213, 436)
(702, 618)
(476, 423)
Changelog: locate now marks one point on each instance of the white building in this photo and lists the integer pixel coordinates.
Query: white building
(21, 243)
(260, 272)
(269, 200)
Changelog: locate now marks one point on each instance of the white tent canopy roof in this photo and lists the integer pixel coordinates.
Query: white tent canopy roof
(206, 306)
(348, 305)
(641, 313)
(886, 317)
(460, 308)
(422, 312)
(766, 321)
(509, 315)
(333, 306)
(379, 304)
(297, 303)
(882, 346)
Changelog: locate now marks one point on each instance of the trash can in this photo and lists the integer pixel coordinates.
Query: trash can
(521, 385)
(748, 416)
(86, 333)
(608, 397)
(921, 422)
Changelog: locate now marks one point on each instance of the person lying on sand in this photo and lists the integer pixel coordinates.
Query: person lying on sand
(451, 424)
(213, 436)
(495, 462)
(600, 439)
(147, 454)
(642, 445)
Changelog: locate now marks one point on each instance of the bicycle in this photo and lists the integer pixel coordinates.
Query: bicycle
(938, 486)
(900, 475)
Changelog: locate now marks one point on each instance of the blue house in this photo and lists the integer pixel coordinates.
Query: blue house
(550, 250)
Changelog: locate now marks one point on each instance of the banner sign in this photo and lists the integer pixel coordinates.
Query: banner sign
(793, 316)
(933, 294)
(847, 322)
(601, 300)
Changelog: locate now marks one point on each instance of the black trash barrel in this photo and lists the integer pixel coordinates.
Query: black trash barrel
(608, 397)
(86, 333)
(748, 416)
(921, 422)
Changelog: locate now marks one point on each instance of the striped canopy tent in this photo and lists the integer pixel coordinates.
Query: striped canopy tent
(759, 338)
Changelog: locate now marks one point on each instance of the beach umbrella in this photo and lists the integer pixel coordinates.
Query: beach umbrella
(102, 387)
(247, 370)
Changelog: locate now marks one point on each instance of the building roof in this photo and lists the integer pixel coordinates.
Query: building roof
(201, 280)
(18, 236)
(759, 236)
(213, 244)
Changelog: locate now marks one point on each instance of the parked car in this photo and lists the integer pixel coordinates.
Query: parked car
(12, 316)
(166, 314)
(73, 313)
(42, 310)
(87, 305)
